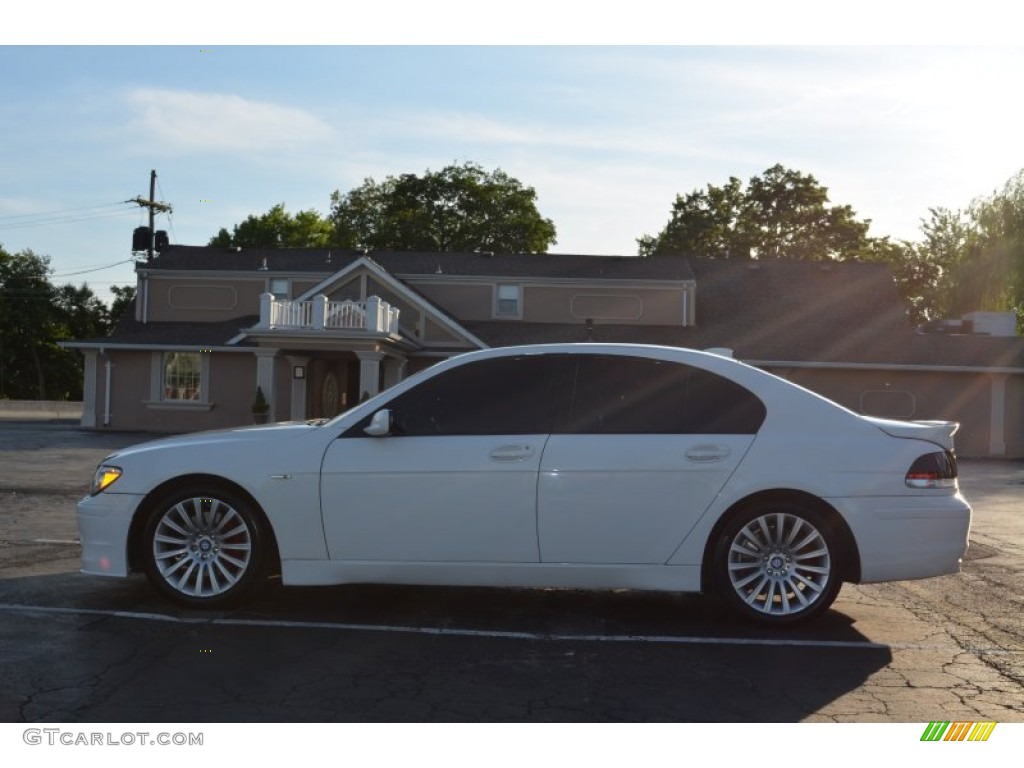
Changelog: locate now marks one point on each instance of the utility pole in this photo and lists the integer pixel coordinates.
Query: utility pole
(153, 207)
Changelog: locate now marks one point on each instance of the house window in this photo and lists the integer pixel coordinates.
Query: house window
(508, 301)
(280, 288)
(182, 376)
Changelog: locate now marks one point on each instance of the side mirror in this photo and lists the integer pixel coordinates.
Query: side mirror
(380, 424)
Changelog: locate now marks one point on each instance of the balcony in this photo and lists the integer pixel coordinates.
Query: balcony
(320, 314)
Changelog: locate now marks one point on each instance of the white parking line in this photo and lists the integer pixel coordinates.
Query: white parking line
(449, 631)
(503, 635)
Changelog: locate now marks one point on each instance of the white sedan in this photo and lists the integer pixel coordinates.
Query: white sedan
(579, 465)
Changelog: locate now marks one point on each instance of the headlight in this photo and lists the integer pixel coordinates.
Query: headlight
(105, 476)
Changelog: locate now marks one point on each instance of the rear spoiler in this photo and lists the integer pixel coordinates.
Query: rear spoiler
(938, 432)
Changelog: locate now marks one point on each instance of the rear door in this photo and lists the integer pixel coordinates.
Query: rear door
(638, 454)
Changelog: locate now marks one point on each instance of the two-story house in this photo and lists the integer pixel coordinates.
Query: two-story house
(318, 330)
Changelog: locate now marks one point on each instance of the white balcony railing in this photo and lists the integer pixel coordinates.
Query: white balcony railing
(373, 315)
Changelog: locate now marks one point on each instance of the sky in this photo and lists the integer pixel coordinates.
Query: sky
(606, 134)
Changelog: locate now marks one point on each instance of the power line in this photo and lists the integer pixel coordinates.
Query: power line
(69, 219)
(170, 213)
(93, 269)
(59, 211)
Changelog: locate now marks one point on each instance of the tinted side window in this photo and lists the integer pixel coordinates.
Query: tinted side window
(632, 395)
(503, 396)
(717, 406)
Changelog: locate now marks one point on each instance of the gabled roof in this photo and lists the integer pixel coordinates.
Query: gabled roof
(385, 278)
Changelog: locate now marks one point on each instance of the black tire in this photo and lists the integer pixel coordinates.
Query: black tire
(778, 563)
(204, 547)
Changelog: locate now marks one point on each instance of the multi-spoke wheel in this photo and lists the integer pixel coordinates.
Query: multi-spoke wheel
(203, 547)
(778, 563)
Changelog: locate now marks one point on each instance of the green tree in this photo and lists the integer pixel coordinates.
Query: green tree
(706, 222)
(918, 276)
(34, 316)
(77, 314)
(975, 256)
(459, 208)
(124, 300)
(991, 274)
(278, 229)
(780, 214)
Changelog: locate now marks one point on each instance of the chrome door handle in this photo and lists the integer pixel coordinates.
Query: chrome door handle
(511, 453)
(708, 453)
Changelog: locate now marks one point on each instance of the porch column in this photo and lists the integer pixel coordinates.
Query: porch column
(266, 310)
(997, 423)
(369, 373)
(89, 388)
(265, 379)
(298, 405)
(394, 371)
(319, 312)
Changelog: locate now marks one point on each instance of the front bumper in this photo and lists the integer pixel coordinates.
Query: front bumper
(907, 537)
(103, 522)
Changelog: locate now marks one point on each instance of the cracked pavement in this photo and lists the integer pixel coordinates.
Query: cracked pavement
(75, 648)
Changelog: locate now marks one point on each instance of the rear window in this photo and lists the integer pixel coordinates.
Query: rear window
(614, 394)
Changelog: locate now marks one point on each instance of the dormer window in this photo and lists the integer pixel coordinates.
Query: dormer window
(508, 301)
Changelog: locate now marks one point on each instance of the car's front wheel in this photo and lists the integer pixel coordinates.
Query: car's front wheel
(204, 546)
(778, 563)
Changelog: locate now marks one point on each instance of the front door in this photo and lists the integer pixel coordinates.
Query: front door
(456, 480)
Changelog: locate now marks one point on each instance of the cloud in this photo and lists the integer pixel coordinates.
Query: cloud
(215, 122)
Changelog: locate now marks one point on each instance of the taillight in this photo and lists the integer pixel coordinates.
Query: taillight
(933, 470)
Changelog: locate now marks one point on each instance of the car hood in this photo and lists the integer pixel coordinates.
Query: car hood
(220, 437)
(938, 432)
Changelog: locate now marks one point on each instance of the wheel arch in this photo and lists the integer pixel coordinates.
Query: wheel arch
(148, 504)
(849, 556)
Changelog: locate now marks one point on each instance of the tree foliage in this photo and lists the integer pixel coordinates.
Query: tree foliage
(991, 272)
(124, 300)
(459, 208)
(34, 316)
(782, 214)
(972, 259)
(278, 229)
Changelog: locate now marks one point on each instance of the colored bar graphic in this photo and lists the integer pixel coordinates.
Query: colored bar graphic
(943, 730)
(981, 732)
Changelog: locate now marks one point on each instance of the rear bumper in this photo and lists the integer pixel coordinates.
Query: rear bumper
(907, 537)
(103, 522)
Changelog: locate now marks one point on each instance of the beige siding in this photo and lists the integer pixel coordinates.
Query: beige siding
(628, 306)
(233, 389)
(231, 386)
(128, 391)
(563, 303)
(350, 291)
(203, 300)
(299, 287)
(960, 397)
(464, 301)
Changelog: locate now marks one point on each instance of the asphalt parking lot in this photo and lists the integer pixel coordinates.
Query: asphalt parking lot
(77, 648)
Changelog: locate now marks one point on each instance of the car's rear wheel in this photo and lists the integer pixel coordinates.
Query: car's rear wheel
(778, 563)
(204, 546)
